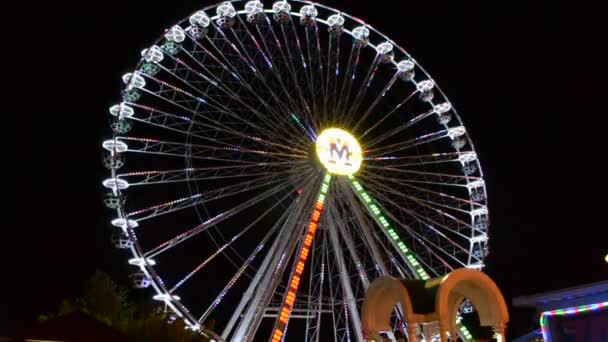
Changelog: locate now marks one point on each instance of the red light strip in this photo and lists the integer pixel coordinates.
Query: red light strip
(294, 282)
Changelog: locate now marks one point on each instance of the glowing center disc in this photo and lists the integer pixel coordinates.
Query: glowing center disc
(339, 151)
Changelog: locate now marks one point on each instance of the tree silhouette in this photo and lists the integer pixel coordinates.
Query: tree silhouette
(109, 303)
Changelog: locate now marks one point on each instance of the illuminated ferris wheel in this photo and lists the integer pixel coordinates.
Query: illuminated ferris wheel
(269, 161)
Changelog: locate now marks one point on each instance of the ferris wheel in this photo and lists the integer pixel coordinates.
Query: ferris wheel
(269, 161)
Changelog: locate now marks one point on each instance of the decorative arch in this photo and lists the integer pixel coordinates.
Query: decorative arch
(383, 295)
(480, 290)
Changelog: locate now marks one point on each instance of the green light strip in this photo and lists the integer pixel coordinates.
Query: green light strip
(465, 332)
(295, 118)
(373, 207)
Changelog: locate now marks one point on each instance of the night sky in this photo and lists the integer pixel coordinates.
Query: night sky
(524, 78)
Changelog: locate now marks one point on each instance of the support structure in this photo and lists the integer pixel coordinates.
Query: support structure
(266, 280)
(346, 286)
(294, 279)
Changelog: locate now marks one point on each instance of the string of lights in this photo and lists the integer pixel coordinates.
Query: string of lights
(373, 207)
(294, 282)
(544, 317)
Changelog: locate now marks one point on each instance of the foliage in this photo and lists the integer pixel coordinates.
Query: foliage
(109, 303)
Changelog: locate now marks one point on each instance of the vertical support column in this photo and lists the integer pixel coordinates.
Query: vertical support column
(412, 332)
(332, 289)
(443, 331)
(348, 291)
(315, 288)
(250, 308)
(250, 290)
(294, 280)
(369, 239)
(353, 254)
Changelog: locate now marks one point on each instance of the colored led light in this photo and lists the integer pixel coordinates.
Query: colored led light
(566, 311)
(465, 332)
(164, 205)
(290, 298)
(309, 132)
(391, 232)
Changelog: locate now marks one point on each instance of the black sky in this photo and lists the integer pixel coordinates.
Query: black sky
(524, 76)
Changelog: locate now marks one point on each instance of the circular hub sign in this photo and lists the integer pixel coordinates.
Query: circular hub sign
(339, 151)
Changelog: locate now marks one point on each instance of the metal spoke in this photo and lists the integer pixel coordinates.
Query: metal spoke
(213, 104)
(439, 195)
(205, 198)
(213, 221)
(236, 97)
(173, 122)
(425, 242)
(194, 174)
(396, 147)
(389, 113)
(373, 68)
(349, 76)
(350, 300)
(232, 240)
(376, 101)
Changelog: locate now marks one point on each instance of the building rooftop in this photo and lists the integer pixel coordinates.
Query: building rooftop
(568, 297)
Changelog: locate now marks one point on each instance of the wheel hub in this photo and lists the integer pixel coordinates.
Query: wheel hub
(339, 152)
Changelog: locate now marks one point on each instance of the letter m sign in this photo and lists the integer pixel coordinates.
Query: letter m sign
(342, 153)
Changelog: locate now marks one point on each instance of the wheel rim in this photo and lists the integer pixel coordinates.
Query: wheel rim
(238, 112)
